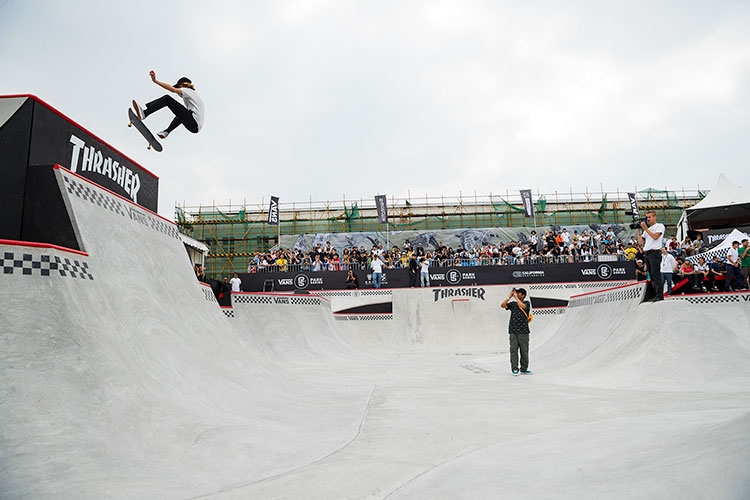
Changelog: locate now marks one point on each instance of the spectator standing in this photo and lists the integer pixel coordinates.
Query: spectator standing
(668, 264)
(351, 280)
(424, 271)
(518, 330)
(377, 270)
(652, 236)
(413, 270)
(236, 283)
(734, 271)
(744, 252)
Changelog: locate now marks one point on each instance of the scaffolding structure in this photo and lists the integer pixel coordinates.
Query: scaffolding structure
(234, 233)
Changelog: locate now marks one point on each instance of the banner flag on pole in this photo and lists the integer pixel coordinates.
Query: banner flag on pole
(528, 204)
(273, 211)
(634, 206)
(382, 207)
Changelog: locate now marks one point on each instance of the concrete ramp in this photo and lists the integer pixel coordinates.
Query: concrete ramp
(121, 377)
(611, 339)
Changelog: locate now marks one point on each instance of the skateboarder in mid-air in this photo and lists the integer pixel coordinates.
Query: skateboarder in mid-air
(190, 114)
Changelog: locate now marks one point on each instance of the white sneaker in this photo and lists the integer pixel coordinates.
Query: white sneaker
(163, 134)
(138, 111)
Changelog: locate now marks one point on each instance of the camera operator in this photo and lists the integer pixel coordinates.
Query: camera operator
(653, 241)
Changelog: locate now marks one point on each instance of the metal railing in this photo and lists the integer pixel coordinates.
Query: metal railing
(439, 263)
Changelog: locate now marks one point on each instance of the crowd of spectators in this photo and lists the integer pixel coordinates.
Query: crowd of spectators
(546, 248)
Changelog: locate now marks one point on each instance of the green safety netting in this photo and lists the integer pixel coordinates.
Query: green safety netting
(657, 195)
(219, 216)
(539, 207)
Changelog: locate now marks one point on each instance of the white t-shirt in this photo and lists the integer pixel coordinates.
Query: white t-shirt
(425, 266)
(565, 237)
(377, 266)
(734, 254)
(667, 263)
(654, 244)
(194, 103)
(236, 282)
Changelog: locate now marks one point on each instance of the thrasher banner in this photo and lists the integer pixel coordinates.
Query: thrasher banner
(382, 206)
(634, 206)
(273, 211)
(528, 204)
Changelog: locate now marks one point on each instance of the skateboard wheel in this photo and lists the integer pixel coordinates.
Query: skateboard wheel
(130, 124)
(149, 146)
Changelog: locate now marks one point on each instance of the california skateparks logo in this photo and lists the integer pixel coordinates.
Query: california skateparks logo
(301, 281)
(453, 276)
(604, 271)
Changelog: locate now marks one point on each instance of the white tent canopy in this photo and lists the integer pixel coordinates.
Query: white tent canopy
(727, 205)
(722, 248)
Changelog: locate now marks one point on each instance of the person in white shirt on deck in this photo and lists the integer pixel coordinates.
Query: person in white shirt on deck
(652, 236)
(190, 115)
(668, 263)
(236, 283)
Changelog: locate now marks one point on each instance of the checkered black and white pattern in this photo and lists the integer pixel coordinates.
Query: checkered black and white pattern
(363, 317)
(96, 196)
(305, 301)
(608, 296)
(29, 264)
(208, 294)
(251, 299)
(229, 313)
(719, 298)
(104, 200)
(548, 312)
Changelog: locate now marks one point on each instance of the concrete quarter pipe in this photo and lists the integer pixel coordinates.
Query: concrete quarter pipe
(120, 377)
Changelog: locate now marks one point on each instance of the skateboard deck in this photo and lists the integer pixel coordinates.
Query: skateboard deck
(145, 132)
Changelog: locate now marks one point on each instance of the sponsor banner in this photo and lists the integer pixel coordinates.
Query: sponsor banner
(528, 204)
(448, 276)
(634, 206)
(55, 140)
(273, 211)
(716, 236)
(382, 206)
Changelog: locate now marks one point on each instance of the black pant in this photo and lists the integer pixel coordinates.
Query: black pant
(183, 116)
(653, 264)
(519, 342)
(413, 279)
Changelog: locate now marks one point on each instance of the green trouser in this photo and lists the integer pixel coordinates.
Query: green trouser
(519, 342)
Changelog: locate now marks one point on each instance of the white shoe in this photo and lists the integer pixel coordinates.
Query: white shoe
(138, 111)
(163, 134)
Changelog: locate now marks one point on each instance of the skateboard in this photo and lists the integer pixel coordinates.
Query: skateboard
(145, 132)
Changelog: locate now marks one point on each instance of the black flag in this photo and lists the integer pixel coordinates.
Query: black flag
(528, 205)
(634, 206)
(273, 211)
(382, 207)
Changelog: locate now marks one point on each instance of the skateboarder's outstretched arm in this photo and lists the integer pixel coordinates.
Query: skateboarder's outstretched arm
(163, 85)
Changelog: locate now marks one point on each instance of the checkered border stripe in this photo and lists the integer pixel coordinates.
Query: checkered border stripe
(305, 301)
(95, 196)
(711, 299)
(113, 204)
(364, 317)
(27, 264)
(618, 295)
(251, 299)
(209, 294)
(229, 313)
(548, 312)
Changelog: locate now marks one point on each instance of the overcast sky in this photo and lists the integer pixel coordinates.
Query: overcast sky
(324, 98)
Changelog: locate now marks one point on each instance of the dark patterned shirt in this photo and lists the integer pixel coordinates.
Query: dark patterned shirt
(518, 321)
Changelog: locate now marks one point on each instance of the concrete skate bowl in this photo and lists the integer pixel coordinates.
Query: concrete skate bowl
(612, 339)
(120, 377)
